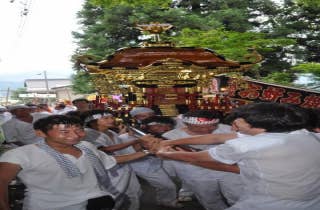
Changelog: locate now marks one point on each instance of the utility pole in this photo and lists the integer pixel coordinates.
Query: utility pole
(7, 96)
(47, 85)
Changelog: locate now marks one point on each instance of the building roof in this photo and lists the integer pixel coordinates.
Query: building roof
(39, 85)
(58, 79)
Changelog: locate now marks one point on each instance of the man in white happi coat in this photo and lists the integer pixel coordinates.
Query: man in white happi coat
(19, 129)
(150, 168)
(203, 182)
(278, 163)
(40, 111)
(60, 172)
(123, 177)
(82, 104)
(141, 113)
(4, 117)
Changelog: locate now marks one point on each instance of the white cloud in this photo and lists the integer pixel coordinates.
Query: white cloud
(39, 41)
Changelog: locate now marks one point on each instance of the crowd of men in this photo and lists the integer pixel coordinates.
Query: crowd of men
(261, 156)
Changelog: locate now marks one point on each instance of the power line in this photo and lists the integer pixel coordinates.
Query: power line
(26, 5)
(25, 8)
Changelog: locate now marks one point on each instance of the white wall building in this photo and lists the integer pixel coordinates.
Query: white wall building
(45, 85)
(57, 89)
(66, 93)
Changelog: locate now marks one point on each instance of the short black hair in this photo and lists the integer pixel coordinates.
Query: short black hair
(45, 124)
(80, 99)
(29, 104)
(271, 116)
(61, 105)
(75, 114)
(159, 119)
(209, 114)
(89, 113)
(314, 121)
(43, 105)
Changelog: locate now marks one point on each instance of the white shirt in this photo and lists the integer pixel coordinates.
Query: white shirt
(38, 115)
(16, 130)
(123, 172)
(106, 140)
(280, 171)
(64, 110)
(47, 184)
(147, 164)
(179, 133)
(4, 117)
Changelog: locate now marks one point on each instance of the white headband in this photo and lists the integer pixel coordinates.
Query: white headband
(96, 117)
(199, 120)
(139, 110)
(158, 123)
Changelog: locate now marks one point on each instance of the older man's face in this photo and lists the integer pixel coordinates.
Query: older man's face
(22, 112)
(143, 116)
(202, 129)
(159, 128)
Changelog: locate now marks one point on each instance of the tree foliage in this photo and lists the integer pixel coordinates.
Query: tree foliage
(282, 78)
(231, 44)
(134, 3)
(15, 93)
(235, 45)
(313, 68)
(300, 19)
(283, 34)
(82, 83)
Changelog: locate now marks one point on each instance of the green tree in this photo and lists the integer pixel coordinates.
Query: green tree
(282, 78)
(282, 34)
(313, 68)
(15, 95)
(235, 15)
(135, 3)
(233, 45)
(106, 29)
(82, 83)
(311, 74)
(300, 19)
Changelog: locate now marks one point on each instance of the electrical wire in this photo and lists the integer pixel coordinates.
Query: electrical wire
(25, 11)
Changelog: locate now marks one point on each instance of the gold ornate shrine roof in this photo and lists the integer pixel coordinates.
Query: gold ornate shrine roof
(135, 58)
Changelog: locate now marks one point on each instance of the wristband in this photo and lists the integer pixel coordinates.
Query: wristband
(147, 152)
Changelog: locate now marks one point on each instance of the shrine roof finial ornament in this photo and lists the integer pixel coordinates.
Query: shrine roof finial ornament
(154, 27)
